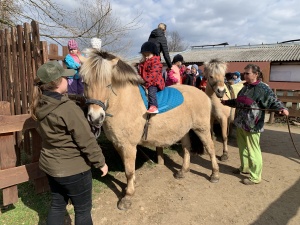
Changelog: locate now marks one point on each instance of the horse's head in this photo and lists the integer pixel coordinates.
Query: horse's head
(214, 71)
(103, 72)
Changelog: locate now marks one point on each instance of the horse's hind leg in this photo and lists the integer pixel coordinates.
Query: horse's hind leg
(208, 144)
(128, 155)
(186, 147)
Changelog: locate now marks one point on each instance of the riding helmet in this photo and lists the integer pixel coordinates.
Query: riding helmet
(149, 47)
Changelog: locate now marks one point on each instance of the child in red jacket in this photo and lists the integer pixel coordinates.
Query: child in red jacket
(150, 70)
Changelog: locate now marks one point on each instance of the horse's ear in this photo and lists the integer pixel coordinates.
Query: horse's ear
(114, 61)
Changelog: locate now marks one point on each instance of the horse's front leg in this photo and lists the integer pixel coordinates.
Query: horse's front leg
(128, 155)
(224, 127)
(186, 147)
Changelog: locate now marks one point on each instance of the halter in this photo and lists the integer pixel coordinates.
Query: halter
(90, 101)
(96, 102)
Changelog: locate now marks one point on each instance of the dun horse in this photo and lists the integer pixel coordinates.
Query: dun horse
(216, 90)
(111, 87)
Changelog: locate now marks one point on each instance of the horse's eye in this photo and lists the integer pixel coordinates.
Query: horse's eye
(211, 77)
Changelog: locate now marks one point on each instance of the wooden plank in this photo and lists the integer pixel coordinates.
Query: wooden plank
(10, 195)
(53, 52)
(16, 80)
(36, 145)
(2, 74)
(9, 57)
(294, 112)
(8, 158)
(294, 99)
(4, 69)
(22, 72)
(28, 57)
(55, 57)
(41, 185)
(20, 174)
(45, 55)
(16, 123)
(36, 45)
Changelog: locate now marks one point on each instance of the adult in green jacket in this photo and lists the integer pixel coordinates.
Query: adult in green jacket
(249, 120)
(69, 148)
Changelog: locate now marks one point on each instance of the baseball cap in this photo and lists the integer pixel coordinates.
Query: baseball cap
(52, 70)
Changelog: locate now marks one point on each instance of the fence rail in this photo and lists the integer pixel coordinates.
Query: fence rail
(10, 173)
(291, 99)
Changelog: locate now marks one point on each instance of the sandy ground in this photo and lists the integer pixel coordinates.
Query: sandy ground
(162, 199)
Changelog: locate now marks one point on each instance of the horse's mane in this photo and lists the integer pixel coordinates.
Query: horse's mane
(105, 68)
(215, 66)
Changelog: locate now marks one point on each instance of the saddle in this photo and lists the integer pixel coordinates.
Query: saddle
(167, 99)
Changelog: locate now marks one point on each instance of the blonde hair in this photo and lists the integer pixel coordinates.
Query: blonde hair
(38, 89)
(162, 26)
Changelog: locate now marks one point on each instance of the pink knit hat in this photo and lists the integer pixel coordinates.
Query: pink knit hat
(72, 44)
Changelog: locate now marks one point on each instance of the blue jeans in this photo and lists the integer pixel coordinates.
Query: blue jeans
(152, 90)
(77, 188)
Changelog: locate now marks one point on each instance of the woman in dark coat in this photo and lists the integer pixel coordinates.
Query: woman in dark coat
(158, 37)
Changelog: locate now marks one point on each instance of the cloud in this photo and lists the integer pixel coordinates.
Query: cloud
(201, 22)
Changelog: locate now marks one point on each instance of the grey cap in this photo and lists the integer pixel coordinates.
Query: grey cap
(52, 70)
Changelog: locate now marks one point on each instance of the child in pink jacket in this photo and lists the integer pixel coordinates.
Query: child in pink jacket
(174, 76)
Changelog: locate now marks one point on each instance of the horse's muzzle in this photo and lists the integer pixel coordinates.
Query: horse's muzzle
(220, 93)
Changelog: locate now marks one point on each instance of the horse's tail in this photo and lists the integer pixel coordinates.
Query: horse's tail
(196, 143)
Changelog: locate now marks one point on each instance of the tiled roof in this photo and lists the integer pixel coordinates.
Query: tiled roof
(261, 53)
(256, 53)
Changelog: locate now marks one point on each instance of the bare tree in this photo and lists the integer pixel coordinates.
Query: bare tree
(175, 42)
(6, 19)
(81, 21)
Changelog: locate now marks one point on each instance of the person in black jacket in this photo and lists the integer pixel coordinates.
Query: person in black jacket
(158, 37)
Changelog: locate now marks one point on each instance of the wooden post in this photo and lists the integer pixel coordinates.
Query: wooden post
(8, 157)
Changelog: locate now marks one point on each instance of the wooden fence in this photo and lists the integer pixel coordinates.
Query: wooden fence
(10, 174)
(291, 99)
(21, 53)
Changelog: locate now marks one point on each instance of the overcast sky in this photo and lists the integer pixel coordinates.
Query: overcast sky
(200, 22)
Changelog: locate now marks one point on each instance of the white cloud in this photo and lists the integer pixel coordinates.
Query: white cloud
(201, 22)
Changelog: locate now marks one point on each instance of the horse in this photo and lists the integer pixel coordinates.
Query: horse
(216, 89)
(111, 88)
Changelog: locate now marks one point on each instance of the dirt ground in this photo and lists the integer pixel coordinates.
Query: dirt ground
(162, 199)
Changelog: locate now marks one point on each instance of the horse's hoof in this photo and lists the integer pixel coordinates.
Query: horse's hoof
(214, 179)
(124, 204)
(224, 157)
(179, 175)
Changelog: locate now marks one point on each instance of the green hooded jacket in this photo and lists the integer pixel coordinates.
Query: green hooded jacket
(68, 145)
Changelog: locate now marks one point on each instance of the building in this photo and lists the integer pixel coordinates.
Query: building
(280, 63)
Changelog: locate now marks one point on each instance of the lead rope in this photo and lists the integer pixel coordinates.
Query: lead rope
(287, 121)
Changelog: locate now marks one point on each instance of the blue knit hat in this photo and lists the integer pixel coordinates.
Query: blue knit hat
(195, 66)
(237, 73)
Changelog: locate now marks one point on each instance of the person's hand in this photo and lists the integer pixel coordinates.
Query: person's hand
(284, 112)
(104, 170)
(223, 102)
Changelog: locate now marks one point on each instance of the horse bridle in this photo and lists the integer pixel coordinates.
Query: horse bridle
(89, 101)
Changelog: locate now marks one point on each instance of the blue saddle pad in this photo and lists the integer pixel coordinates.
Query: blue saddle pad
(167, 99)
